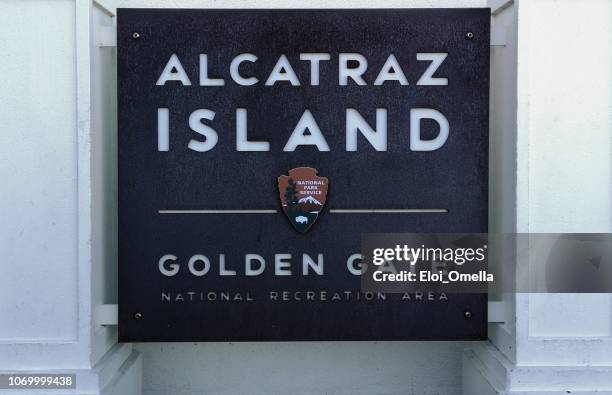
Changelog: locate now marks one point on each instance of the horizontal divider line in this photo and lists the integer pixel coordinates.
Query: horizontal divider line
(388, 210)
(332, 211)
(231, 211)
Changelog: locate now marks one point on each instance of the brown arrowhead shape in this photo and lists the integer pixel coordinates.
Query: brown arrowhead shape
(302, 194)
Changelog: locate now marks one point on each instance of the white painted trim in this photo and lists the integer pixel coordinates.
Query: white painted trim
(107, 314)
(505, 376)
(108, 6)
(84, 225)
(523, 95)
(498, 36)
(496, 312)
(500, 5)
(106, 36)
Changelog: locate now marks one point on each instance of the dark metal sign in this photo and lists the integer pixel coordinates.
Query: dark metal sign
(360, 121)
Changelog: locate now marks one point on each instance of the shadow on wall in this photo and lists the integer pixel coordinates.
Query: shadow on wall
(302, 368)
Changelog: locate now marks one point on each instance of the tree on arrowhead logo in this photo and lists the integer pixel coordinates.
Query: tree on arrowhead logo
(302, 195)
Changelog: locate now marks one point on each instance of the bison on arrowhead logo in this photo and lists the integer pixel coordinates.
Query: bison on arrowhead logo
(302, 195)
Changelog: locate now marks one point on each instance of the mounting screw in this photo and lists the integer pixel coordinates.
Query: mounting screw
(467, 314)
(138, 316)
(135, 35)
(469, 35)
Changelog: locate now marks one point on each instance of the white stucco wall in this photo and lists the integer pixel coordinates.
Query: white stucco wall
(570, 146)
(556, 343)
(49, 285)
(39, 194)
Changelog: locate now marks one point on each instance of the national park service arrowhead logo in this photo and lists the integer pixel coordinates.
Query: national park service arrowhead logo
(302, 194)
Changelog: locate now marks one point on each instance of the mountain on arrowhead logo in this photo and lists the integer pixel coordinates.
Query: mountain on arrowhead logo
(302, 195)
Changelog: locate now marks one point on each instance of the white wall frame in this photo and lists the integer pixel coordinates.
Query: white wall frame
(553, 343)
(49, 136)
